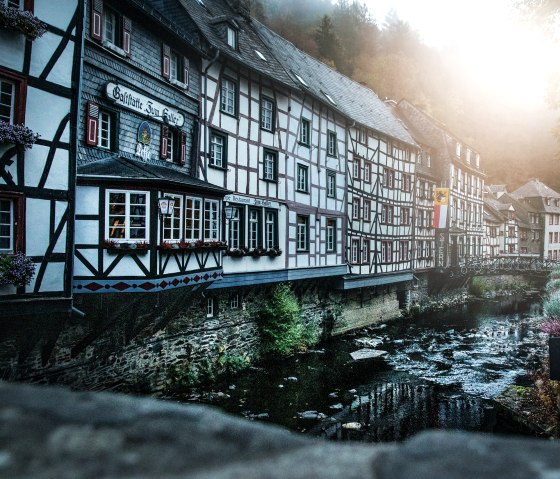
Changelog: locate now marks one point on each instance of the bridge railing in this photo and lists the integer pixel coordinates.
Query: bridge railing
(507, 264)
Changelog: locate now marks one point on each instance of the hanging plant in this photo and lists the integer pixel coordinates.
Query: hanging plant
(16, 269)
(25, 22)
(18, 134)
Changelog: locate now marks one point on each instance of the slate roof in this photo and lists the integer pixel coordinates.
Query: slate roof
(350, 98)
(210, 18)
(535, 188)
(121, 168)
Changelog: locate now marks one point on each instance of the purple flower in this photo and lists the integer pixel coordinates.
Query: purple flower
(551, 326)
(18, 134)
(14, 19)
(16, 269)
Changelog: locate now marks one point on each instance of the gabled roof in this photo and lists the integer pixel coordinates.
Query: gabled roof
(535, 189)
(128, 169)
(351, 99)
(211, 18)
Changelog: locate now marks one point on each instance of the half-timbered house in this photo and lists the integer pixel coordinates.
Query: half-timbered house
(459, 169)
(144, 222)
(39, 78)
(278, 147)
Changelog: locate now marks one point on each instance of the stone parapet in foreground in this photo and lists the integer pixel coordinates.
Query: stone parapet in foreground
(49, 432)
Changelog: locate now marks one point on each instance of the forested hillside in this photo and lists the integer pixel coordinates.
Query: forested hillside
(516, 143)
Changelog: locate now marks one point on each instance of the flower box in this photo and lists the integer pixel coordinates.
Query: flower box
(25, 22)
(17, 134)
(115, 247)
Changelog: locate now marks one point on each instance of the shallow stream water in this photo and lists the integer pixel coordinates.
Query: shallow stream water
(441, 370)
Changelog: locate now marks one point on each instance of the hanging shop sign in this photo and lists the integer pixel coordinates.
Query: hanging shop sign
(140, 103)
(144, 139)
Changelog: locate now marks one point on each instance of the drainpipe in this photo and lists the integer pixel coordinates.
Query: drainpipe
(205, 108)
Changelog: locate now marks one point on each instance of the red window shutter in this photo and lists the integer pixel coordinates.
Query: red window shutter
(126, 34)
(164, 141)
(96, 19)
(92, 123)
(183, 148)
(165, 60)
(186, 66)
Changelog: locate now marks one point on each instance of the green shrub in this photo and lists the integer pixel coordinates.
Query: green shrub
(551, 306)
(554, 274)
(478, 286)
(232, 364)
(552, 286)
(280, 324)
(180, 378)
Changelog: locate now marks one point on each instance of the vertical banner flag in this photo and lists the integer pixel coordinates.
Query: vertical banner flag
(441, 204)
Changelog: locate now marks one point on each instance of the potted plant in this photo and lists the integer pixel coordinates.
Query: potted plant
(235, 252)
(17, 270)
(17, 134)
(12, 18)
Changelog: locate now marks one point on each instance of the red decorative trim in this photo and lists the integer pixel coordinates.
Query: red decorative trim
(165, 61)
(164, 142)
(19, 216)
(186, 66)
(29, 5)
(96, 27)
(21, 95)
(92, 123)
(182, 148)
(126, 34)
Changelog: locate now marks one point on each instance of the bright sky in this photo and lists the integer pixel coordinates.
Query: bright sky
(500, 54)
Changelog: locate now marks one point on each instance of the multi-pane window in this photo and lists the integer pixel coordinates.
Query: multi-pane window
(228, 98)
(270, 229)
(193, 218)
(127, 215)
(6, 225)
(405, 216)
(367, 172)
(406, 182)
(387, 214)
(355, 251)
(218, 149)
(331, 143)
(253, 228)
(211, 220)
(356, 166)
(104, 134)
(172, 230)
(269, 165)
(302, 233)
(386, 251)
(365, 251)
(267, 114)
(232, 37)
(331, 235)
(7, 100)
(302, 178)
(366, 210)
(403, 250)
(331, 184)
(388, 178)
(305, 132)
(110, 26)
(13, 3)
(234, 302)
(356, 208)
(234, 231)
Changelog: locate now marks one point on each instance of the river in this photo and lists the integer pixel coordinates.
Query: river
(441, 370)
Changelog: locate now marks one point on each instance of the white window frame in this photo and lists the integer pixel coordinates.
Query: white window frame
(302, 178)
(366, 210)
(110, 37)
(270, 228)
(210, 307)
(267, 114)
(232, 37)
(331, 143)
(10, 224)
(234, 302)
(386, 251)
(12, 99)
(234, 229)
(211, 220)
(217, 155)
(193, 205)
(7, 3)
(269, 165)
(356, 166)
(105, 129)
(331, 184)
(367, 172)
(365, 252)
(355, 251)
(127, 215)
(228, 94)
(302, 233)
(356, 203)
(253, 228)
(305, 132)
(331, 235)
(173, 223)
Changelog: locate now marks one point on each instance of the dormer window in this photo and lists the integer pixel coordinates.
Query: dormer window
(174, 67)
(110, 28)
(232, 37)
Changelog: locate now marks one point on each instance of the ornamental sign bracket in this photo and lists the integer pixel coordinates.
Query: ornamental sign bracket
(140, 103)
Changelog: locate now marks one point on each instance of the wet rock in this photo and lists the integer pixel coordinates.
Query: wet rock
(367, 353)
(352, 391)
(337, 406)
(369, 342)
(352, 426)
(311, 415)
(292, 379)
(333, 395)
